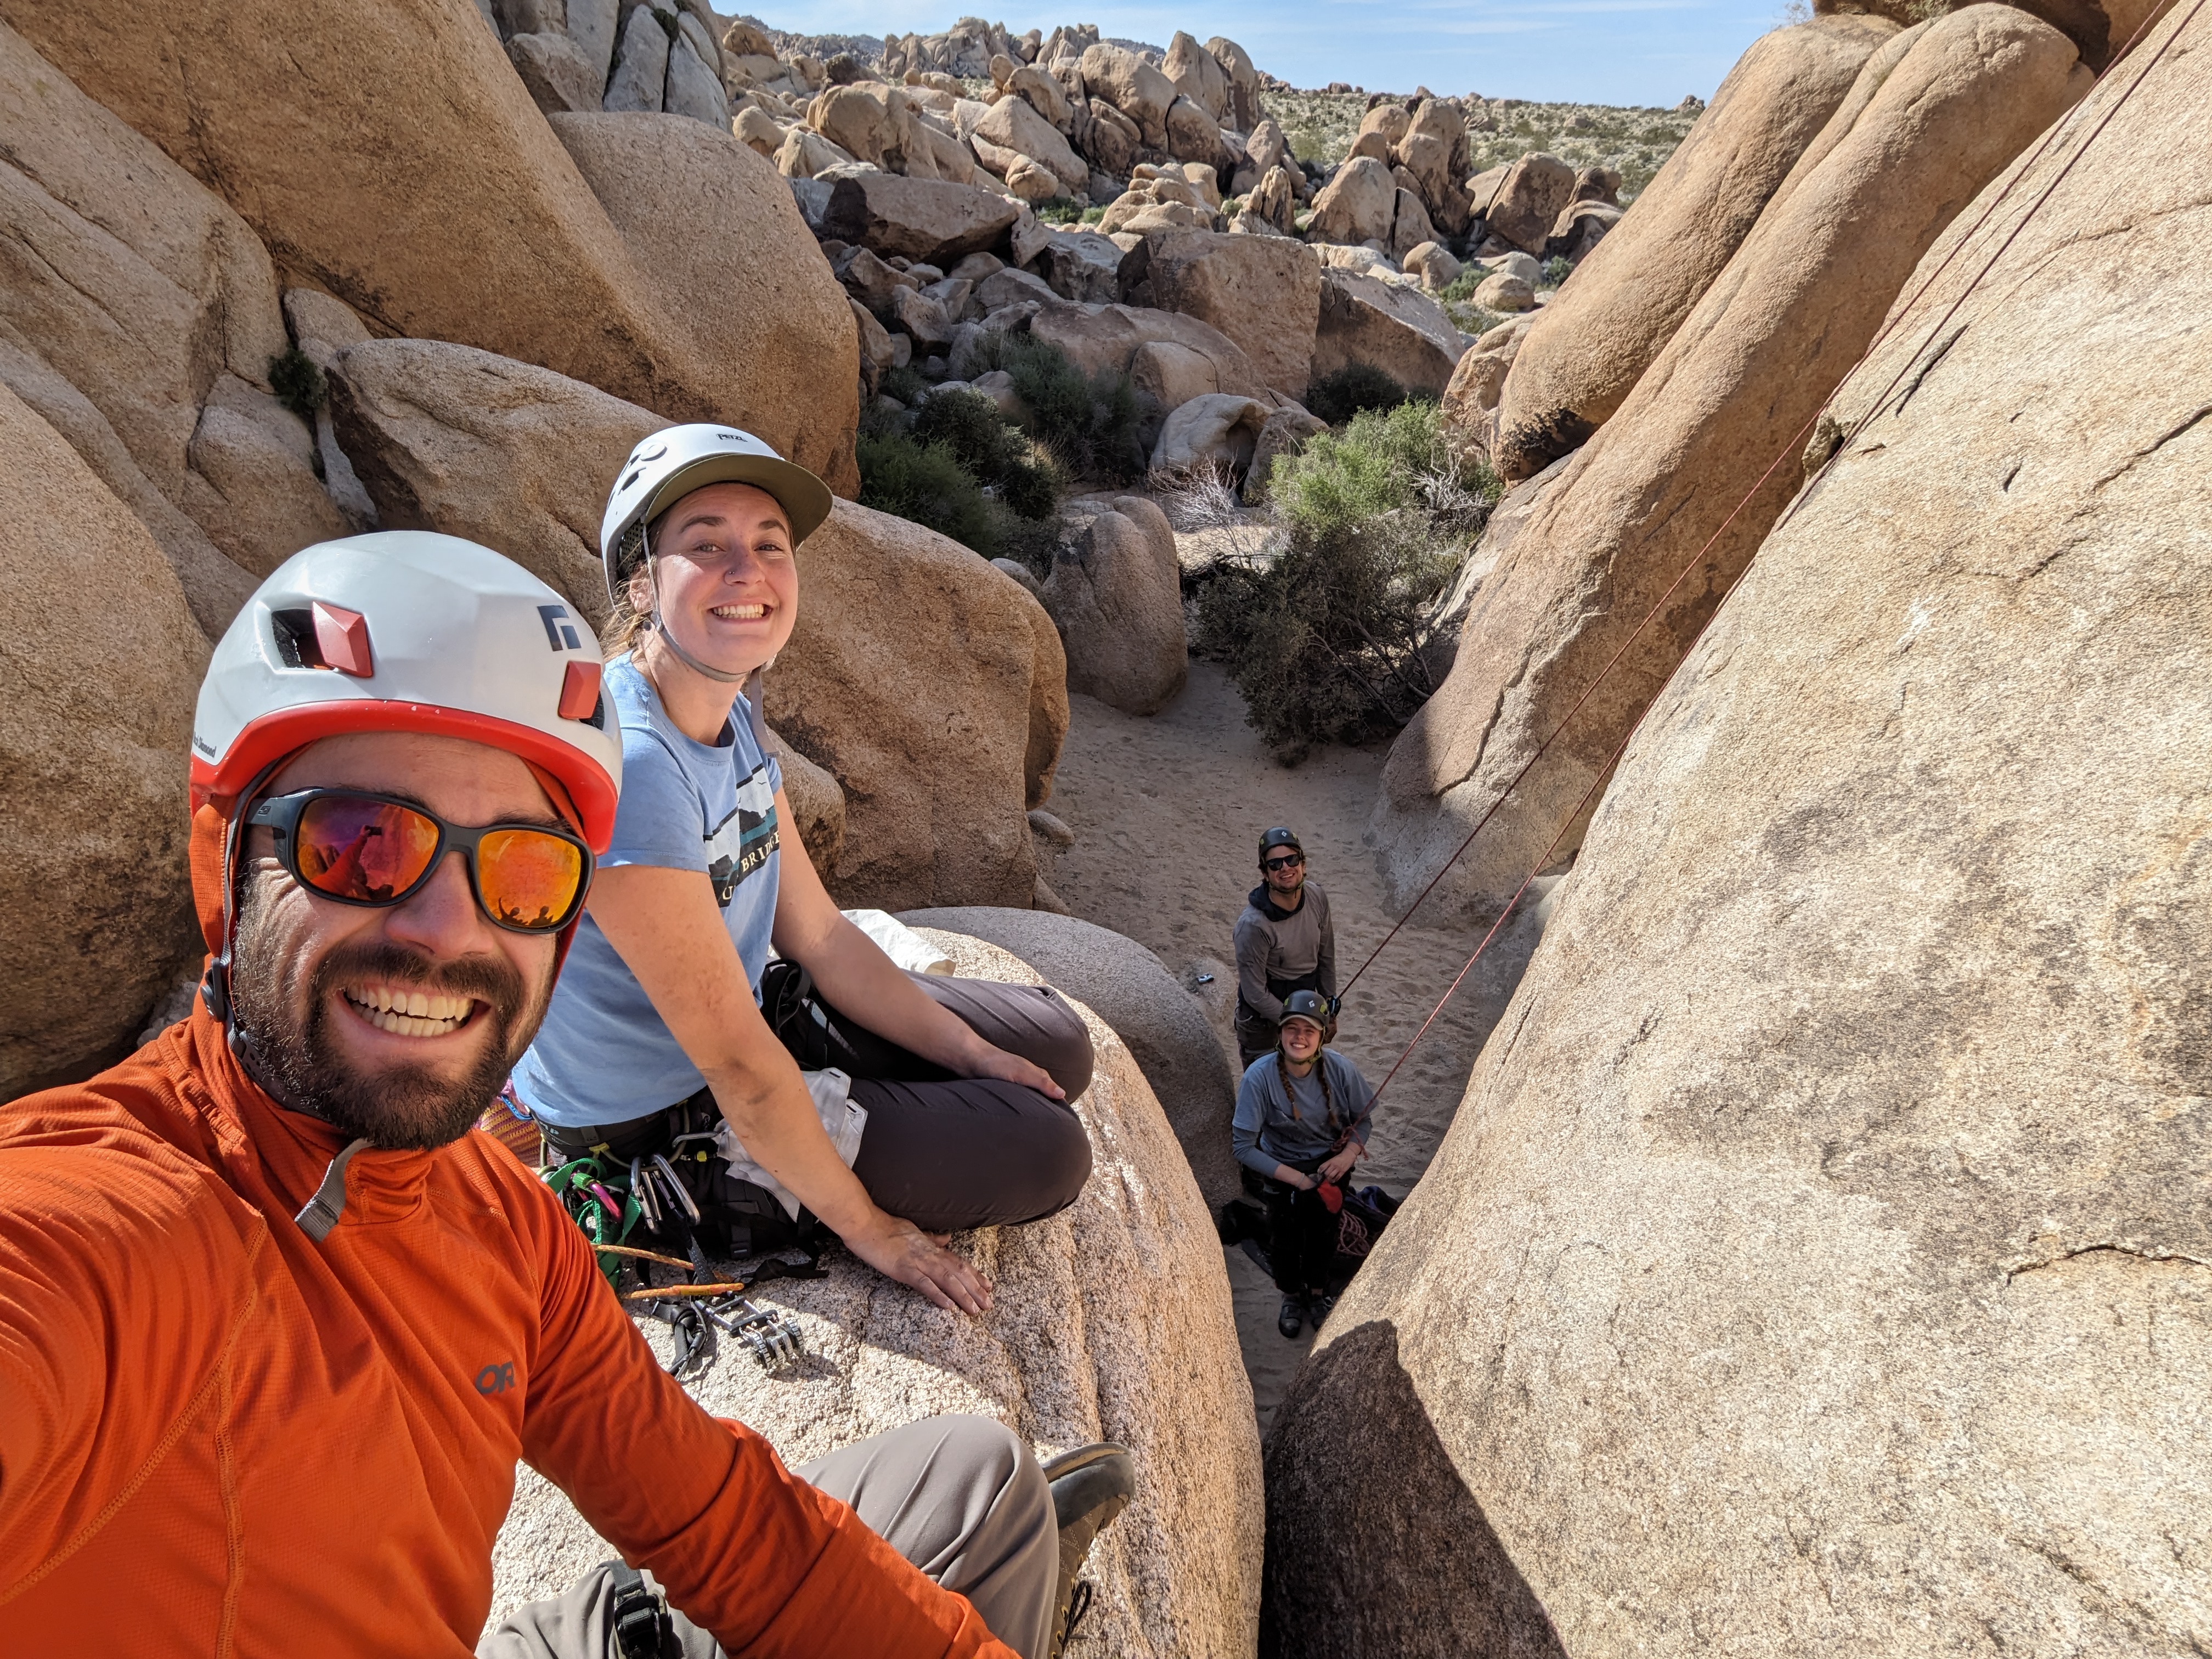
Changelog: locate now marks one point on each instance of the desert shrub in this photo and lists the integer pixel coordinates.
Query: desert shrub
(1000, 457)
(1336, 398)
(298, 384)
(1557, 271)
(957, 467)
(1064, 210)
(906, 383)
(1460, 289)
(926, 483)
(1090, 422)
(1327, 633)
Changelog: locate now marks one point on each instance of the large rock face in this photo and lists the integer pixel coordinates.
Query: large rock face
(1398, 329)
(139, 317)
(100, 667)
(1359, 205)
(1592, 342)
(448, 438)
(1106, 338)
(2101, 28)
(1164, 1025)
(1824, 1274)
(1657, 488)
(1116, 595)
(716, 233)
(934, 688)
(1263, 292)
(1111, 1320)
(929, 219)
(391, 155)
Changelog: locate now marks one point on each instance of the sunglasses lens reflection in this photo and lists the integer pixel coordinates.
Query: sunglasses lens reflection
(529, 879)
(361, 850)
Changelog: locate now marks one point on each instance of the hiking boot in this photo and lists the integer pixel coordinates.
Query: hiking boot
(1319, 1306)
(1292, 1319)
(1089, 1485)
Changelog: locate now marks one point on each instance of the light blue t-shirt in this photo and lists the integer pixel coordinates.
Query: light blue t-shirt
(603, 1055)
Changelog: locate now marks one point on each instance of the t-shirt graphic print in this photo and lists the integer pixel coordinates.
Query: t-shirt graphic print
(603, 1055)
(739, 847)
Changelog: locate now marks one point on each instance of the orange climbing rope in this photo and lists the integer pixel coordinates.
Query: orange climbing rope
(1795, 446)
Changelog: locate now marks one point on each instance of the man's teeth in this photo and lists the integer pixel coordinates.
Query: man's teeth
(410, 1013)
(741, 612)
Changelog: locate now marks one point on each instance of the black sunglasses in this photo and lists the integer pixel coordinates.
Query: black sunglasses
(1286, 861)
(361, 849)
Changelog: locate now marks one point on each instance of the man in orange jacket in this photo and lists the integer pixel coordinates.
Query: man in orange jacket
(276, 1327)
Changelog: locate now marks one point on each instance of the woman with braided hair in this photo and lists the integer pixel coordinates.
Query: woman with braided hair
(1301, 1124)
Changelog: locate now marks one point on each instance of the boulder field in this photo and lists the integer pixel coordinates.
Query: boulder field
(1818, 1263)
(1701, 458)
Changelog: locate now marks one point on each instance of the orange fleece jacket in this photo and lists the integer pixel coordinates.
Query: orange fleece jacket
(218, 1437)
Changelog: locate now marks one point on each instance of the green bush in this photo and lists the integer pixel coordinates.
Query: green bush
(926, 483)
(904, 383)
(997, 454)
(1557, 271)
(1337, 397)
(1460, 289)
(959, 468)
(1063, 210)
(298, 384)
(1091, 422)
(1328, 638)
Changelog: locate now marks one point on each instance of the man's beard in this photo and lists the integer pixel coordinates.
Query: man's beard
(402, 1107)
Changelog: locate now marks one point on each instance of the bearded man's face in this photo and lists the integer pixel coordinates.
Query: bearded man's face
(325, 996)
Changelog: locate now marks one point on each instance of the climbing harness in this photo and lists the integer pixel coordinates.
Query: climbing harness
(1898, 316)
(637, 1617)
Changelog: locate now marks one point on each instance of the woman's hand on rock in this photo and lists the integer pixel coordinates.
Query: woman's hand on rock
(899, 1249)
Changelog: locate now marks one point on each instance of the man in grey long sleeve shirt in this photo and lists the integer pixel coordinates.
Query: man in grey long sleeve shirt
(1286, 942)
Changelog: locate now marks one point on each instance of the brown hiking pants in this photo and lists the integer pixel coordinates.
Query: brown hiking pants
(962, 1498)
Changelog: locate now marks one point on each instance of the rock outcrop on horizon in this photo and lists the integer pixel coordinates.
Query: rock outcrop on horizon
(1588, 348)
(1818, 1264)
(102, 667)
(1111, 1320)
(1701, 458)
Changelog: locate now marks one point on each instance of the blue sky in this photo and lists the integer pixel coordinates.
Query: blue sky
(1609, 51)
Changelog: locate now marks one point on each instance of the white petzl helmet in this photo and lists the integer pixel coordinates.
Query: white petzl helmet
(407, 631)
(677, 460)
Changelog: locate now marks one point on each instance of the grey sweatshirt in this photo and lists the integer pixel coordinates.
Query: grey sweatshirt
(1277, 945)
(1266, 1131)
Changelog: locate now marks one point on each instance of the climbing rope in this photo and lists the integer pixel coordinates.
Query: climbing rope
(1897, 319)
(1796, 445)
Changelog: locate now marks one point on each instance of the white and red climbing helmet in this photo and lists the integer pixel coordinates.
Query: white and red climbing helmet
(676, 460)
(408, 631)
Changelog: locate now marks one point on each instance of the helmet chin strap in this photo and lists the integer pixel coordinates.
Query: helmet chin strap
(751, 680)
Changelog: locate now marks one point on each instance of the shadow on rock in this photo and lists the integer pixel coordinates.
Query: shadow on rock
(1374, 1544)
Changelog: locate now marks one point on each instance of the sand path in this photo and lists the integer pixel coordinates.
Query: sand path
(1166, 814)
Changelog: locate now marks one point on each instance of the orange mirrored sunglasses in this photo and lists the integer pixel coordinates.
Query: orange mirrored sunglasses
(367, 849)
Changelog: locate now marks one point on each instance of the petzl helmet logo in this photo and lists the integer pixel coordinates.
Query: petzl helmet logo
(558, 632)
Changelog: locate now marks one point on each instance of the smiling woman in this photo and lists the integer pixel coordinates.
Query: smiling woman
(707, 969)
